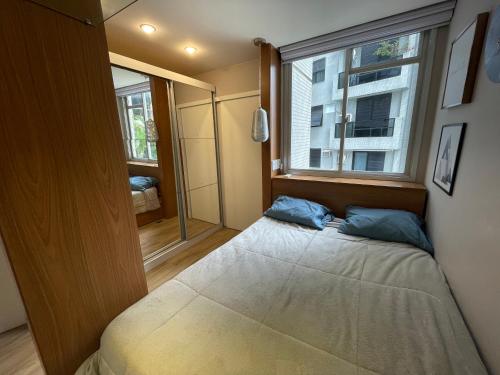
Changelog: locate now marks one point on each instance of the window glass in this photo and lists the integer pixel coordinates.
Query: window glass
(368, 161)
(367, 77)
(139, 150)
(380, 119)
(385, 51)
(139, 110)
(314, 111)
(378, 108)
(315, 158)
(317, 115)
(318, 70)
(138, 125)
(134, 99)
(148, 105)
(152, 151)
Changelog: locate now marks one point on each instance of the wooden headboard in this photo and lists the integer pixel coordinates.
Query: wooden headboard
(337, 193)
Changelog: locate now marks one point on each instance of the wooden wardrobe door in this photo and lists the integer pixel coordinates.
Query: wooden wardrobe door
(65, 204)
(161, 111)
(270, 94)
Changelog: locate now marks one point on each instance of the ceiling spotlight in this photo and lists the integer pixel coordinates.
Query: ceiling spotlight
(148, 29)
(190, 50)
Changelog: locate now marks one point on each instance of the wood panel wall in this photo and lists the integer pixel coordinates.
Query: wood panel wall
(270, 94)
(161, 111)
(164, 170)
(66, 211)
(144, 169)
(338, 193)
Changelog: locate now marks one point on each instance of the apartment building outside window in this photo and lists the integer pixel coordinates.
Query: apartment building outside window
(317, 115)
(318, 74)
(368, 161)
(315, 158)
(366, 117)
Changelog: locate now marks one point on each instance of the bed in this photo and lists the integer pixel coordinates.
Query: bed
(146, 200)
(283, 299)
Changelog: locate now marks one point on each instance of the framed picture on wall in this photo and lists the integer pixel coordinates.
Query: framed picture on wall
(448, 154)
(463, 63)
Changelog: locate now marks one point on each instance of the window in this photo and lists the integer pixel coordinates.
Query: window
(360, 78)
(386, 51)
(317, 115)
(372, 161)
(375, 112)
(374, 109)
(318, 72)
(372, 118)
(315, 158)
(137, 111)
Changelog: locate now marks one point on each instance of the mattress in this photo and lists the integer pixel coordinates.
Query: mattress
(145, 201)
(282, 299)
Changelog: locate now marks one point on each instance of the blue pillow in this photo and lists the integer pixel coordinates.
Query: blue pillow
(140, 183)
(300, 211)
(386, 225)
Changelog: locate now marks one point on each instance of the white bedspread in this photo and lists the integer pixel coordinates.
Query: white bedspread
(145, 200)
(282, 299)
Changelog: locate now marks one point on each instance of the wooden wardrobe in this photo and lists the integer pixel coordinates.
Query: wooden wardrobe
(65, 206)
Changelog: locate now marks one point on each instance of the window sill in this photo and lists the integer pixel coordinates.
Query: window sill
(354, 181)
(142, 164)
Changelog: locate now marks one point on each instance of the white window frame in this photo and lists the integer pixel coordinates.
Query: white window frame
(121, 95)
(425, 59)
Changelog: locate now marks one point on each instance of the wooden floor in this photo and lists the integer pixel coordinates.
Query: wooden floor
(18, 354)
(163, 232)
(184, 259)
(17, 351)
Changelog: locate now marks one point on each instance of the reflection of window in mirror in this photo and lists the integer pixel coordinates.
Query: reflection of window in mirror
(133, 94)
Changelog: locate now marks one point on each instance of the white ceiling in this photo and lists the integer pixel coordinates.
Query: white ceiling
(223, 30)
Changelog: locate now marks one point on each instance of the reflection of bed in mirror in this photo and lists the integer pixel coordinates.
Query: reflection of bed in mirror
(146, 201)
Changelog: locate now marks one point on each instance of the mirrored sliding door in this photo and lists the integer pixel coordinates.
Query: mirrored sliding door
(171, 142)
(142, 102)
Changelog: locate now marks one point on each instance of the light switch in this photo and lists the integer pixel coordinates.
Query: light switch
(276, 165)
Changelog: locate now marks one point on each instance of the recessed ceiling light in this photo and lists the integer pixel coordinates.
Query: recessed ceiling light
(148, 29)
(190, 50)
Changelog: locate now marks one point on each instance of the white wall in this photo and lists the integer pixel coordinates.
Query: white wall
(241, 163)
(11, 306)
(234, 78)
(465, 227)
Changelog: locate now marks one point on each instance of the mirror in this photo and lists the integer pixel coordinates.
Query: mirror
(195, 122)
(147, 140)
